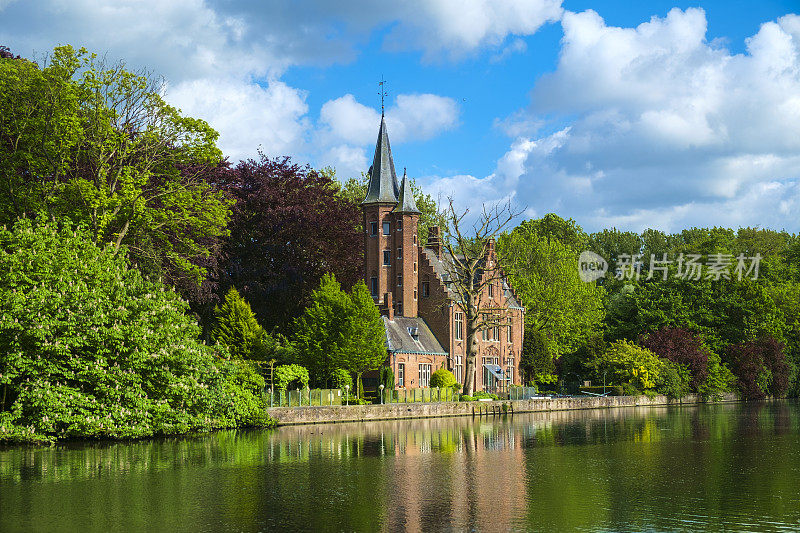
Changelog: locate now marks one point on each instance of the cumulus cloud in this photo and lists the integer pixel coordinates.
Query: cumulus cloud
(248, 116)
(349, 127)
(238, 51)
(655, 126)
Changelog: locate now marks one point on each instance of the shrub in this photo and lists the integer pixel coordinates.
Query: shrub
(88, 348)
(625, 362)
(467, 398)
(720, 378)
(285, 375)
(442, 378)
(387, 377)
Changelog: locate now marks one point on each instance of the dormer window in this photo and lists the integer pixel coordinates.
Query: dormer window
(387, 228)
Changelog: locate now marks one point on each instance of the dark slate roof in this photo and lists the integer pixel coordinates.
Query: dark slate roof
(406, 203)
(399, 337)
(382, 187)
(443, 267)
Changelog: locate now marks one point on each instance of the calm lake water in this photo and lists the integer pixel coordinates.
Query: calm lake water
(714, 467)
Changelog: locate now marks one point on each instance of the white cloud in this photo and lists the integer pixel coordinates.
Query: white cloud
(350, 128)
(662, 127)
(247, 115)
(232, 49)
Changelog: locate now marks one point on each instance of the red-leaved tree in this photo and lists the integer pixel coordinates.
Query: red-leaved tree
(680, 346)
(289, 227)
(761, 368)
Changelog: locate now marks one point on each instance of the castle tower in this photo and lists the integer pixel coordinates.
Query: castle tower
(406, 219)
(390, 217)
(383, 194)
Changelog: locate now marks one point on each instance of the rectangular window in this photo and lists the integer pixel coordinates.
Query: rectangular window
(508, 334)
(400, 308)
(491, 290)
(387, 257)
(510, 370)
(399, 225)
(415, 239)
(399, 253)
(459, 326)
(399, 280)
(387, 228)
(458, 369)
(426, 289)
(485, 333)
(401, 375)
(373, 286)
(415, 266)
(415, 294)
(373, 228)
(496, 333)
(424, 375)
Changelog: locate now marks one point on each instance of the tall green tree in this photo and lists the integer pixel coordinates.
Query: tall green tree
(97, 143)
(366, 346)
(321, 331)
(562, 311)
(340, 331)
(237, 328)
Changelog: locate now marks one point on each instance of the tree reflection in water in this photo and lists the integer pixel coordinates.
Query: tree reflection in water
(732, 466)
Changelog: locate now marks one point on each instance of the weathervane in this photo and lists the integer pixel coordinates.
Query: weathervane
(382, 92)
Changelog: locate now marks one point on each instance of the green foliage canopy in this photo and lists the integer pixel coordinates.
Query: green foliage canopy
(89, 348)
(98, 144)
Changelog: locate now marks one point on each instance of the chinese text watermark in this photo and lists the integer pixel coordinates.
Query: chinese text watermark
(717, 266)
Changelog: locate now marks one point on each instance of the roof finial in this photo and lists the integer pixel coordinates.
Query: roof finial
(382, 92)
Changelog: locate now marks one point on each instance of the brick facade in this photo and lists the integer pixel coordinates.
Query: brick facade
(405, 278)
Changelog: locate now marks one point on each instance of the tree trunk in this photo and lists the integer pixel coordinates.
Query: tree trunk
(471, 356)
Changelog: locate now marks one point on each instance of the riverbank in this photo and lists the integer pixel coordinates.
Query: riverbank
(397, 411)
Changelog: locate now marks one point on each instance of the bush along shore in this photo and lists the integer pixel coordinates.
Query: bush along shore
(94, 350)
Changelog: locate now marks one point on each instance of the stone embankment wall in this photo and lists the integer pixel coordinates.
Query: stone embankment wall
(396, 411)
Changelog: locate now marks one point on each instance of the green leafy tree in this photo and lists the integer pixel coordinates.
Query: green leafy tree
(321, 331)
(562, 311)
(365, 343)
(237, 328)
(99, 144)
(340, 330)
(286, 375)
(88, 348)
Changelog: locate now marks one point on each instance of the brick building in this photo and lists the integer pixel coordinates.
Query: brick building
(409, 280)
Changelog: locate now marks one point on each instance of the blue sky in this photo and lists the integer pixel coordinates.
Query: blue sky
(627, 114)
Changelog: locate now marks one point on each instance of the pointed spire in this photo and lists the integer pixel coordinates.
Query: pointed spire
(406, 202)
(382, 187)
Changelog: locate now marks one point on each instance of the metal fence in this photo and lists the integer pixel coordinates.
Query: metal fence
(305, 397)
(321, 397)
(420, 395)
(522, 393)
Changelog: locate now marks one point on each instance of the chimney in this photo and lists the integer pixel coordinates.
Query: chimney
(435, 240)
(387, 301)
